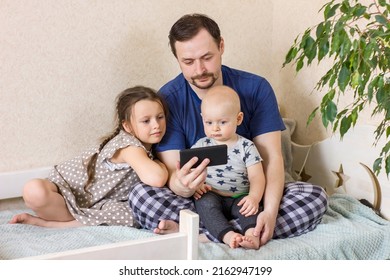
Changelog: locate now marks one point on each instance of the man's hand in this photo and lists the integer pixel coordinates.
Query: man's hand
(189, 179)
(265, 227)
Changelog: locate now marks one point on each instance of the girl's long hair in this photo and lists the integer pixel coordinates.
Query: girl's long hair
(124, 105)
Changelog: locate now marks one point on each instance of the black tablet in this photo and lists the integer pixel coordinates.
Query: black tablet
(217, 155)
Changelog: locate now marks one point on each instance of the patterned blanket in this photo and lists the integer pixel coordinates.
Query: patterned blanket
(349, 230)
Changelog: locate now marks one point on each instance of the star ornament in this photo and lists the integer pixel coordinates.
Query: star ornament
(304, 176)
(341, 177)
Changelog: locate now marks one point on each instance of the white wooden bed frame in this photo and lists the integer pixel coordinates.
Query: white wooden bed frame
(336, 165)
(176, 246)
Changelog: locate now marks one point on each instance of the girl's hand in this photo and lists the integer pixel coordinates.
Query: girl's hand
(249, 206)
(201, 191)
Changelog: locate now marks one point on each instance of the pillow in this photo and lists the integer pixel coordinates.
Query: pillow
(289, 175)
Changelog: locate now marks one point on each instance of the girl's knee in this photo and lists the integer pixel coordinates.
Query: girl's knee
(36, 192)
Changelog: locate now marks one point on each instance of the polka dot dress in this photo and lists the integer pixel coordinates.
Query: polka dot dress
(106, 200)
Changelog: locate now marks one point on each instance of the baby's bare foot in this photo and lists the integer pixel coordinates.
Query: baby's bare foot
(250, 242)
(232, 239)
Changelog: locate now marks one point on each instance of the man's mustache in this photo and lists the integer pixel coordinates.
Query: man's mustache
(204, 75)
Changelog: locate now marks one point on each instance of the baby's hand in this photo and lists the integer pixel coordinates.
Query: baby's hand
(201, 191)
(250, 206)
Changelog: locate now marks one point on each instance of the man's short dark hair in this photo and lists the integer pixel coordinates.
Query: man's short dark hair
(188, 26)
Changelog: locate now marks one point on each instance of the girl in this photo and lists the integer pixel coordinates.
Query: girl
(93, 188)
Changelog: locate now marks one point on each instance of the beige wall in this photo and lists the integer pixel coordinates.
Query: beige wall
(63, 62)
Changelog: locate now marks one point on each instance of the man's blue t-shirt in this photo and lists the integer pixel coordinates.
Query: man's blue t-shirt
(184, 121)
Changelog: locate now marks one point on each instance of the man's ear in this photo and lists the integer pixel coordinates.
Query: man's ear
(222, 46)
(240, 118)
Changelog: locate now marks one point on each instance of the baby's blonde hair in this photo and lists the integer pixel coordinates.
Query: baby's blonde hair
(222, 95)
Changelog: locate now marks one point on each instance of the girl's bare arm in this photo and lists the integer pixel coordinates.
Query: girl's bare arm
(151, 172)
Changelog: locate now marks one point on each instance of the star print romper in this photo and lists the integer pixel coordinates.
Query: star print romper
(216, 211)
(105, 203)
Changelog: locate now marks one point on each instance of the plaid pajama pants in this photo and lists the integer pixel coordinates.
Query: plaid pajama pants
(301, 208)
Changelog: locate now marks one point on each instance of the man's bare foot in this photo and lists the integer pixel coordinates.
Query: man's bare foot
(203, 238)
(232, 239)
(250, 242)
(27, 219)
(166, 227)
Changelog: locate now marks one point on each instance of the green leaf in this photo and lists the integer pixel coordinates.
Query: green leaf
(311, 117)
(320, 30)
(368, 50)
(332, 79)
(299, 64)
(330, 11)
(305, 35)
(310, 49)
(336, 42)
(359, 11)
(386, 148)
(355, 79)
(377, 166)
(323, 48)
(325, 121)
(292, 53)
(345, 7)
(345, 125)
(354, 116)
(381, 19)
(387, 165)
(352, 31)
(371, 87)
(345, 46)
(343, 78)
(380, 95)
(331, 111)
(330, 95)
(335, 125)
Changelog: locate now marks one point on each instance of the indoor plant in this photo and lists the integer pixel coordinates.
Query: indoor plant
(356, 35)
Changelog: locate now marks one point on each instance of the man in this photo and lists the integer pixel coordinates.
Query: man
(288, 209)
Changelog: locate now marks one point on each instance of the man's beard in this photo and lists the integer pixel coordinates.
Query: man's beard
(209, 85)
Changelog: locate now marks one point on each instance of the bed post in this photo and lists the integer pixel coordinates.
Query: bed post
(189, 224)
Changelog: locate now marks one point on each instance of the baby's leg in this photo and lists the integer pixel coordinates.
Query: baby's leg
(249, 241)
(42, 196)
(233, 239)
